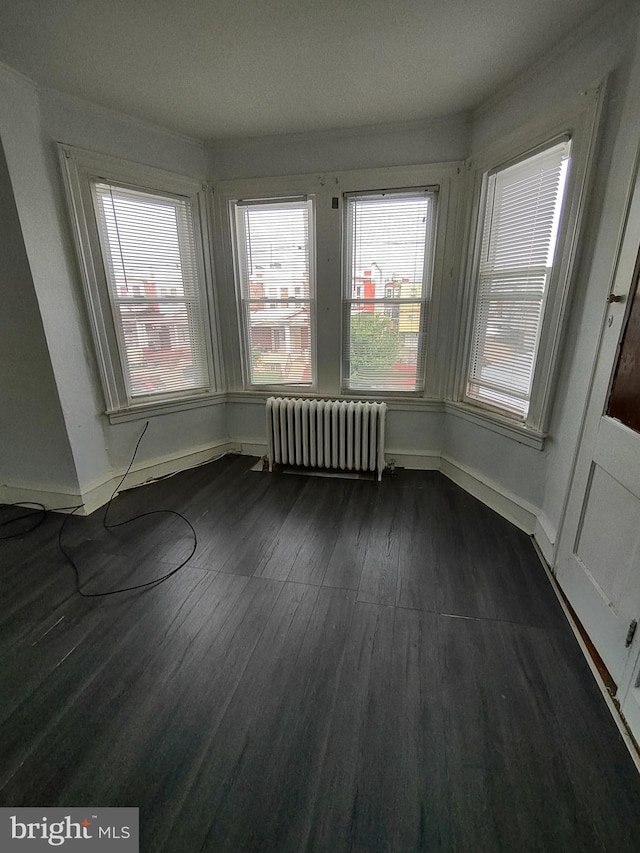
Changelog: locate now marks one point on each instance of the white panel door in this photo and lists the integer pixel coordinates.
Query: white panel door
(598, 563)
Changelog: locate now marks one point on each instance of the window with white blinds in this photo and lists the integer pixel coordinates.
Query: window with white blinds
(519, 232)
(149, 255)
(275, 282)
(140, 235)
(388, 247)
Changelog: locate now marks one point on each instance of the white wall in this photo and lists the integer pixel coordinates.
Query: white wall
(34, 448)
(36, 254)
(77, 122)
(438, 141)
(602, 45)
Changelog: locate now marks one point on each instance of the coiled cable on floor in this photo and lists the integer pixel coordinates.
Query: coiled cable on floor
(155, 581)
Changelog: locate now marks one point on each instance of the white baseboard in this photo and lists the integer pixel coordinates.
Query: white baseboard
(514, 509)
(252, 448)
(415, 460)
(519, 512)
(545, 535)
(97, 494)
(51, 498)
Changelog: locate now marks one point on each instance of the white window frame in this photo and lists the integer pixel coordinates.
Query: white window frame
(424, 301)
(328, 189)
(578, 121)
(440, 321)
(82, 168)
(242, 301)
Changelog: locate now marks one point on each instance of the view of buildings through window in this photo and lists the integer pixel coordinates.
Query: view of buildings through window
(148, 250)
(275, 268)
(389, 248)
(389, 245)
(150, 262)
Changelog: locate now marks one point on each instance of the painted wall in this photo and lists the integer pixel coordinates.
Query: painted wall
(32, 424)
(598, 48)
(38, 204)
(77, 122)
(439, 141)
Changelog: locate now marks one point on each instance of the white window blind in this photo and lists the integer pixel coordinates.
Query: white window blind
(149, 255)
(275, 280)
(389, 239)
(520, 228)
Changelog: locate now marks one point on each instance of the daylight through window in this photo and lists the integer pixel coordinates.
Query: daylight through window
(274, 270)
(148, 250)
(519, 234)
(389, 239)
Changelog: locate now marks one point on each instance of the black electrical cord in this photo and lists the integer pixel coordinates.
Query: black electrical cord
(38, 514)
(42, 513)
(107, 526)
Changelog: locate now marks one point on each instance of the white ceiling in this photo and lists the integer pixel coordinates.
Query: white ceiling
(216, 69)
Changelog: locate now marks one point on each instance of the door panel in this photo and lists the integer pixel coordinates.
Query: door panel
(610, 506)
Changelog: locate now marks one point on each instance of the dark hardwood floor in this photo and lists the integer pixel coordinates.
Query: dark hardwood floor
(342, 666)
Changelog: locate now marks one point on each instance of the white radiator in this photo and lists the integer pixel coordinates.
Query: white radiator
(326, 434)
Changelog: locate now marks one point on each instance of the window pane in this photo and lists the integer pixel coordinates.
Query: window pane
(275, 250)
(280, 343)
(389, 243)
(388, 236)
(384, 346)
(149, 256)
(519, 234)
(159, 343)
(274, 269)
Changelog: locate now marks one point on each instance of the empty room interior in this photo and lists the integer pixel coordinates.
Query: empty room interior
(320, 421)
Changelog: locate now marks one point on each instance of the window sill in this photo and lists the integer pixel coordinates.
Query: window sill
(496, 423)
(150, 410)
(397, 403)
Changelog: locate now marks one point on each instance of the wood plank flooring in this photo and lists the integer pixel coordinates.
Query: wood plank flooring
(342, 666)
